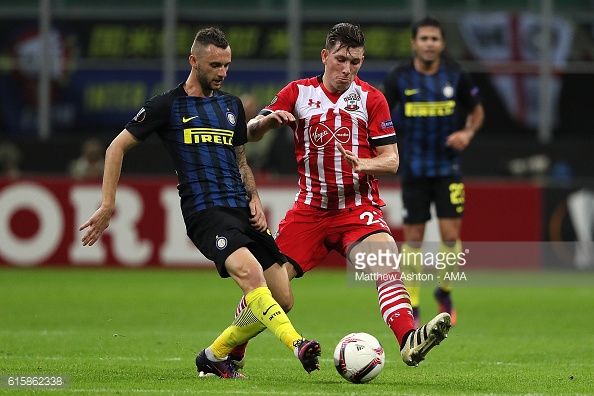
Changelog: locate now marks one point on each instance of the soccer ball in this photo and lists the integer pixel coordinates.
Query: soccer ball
(359, 357)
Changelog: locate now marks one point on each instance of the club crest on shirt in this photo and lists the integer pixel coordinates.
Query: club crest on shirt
(231, 118)
(448, 90)
(352, 100)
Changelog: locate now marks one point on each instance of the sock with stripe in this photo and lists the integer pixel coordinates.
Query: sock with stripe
(244, 327)
(239, 350)
(395, 305)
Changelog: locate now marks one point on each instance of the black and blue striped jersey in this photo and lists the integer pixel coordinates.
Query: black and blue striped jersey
(426, 109)
(200, 135)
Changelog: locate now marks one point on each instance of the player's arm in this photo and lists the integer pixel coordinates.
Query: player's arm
(259, 125)
(382, 136)
(258, 220)
(459, 140)
(114, 157)
(385, 163)
(275, 115)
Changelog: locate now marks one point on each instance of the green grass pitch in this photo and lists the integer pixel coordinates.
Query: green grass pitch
(131, 332)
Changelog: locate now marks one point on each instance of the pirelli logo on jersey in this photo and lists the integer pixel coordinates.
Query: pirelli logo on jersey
(208, 135)
(429, 109)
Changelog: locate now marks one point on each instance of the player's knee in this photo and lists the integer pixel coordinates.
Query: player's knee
(248, 278)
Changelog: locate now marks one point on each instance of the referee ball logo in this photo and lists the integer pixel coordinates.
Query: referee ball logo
(221, 242)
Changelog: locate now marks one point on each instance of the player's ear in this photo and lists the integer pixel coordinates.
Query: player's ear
(324, 55)
(192, 59)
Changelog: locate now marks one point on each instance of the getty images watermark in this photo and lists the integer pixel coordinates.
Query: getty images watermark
(379, 262)
(475, 264)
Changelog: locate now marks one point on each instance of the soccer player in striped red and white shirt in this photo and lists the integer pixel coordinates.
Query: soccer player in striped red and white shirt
(343, 137)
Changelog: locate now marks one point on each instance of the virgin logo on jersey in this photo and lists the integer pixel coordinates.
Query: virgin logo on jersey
(321, 134)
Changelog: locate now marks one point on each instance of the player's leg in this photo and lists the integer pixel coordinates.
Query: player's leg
(416, 202)
(243, 268)
(395, 305)
(374, 237)
(451, 246)
(248, 326)
(300, 238)
(412, 267)
(233, 234)
(394, 300)
(449, 204)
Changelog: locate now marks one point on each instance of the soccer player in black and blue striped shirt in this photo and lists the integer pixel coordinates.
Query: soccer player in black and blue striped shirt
(437, 110)
(204, 130)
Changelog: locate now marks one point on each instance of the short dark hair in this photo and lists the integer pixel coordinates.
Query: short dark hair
(347, 34)
(427, 21)
(208, 36)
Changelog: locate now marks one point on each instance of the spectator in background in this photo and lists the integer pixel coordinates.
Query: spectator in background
(10, 158)
(91, 161)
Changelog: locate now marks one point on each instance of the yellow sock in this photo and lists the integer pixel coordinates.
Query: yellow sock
(413, 266)
(245, 327)
(449, 253)
(267, 310)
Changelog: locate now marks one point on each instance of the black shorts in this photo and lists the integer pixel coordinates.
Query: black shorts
(217, 232)
(417, 194)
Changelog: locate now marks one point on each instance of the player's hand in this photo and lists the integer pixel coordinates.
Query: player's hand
(96, 224)
(277, 119)
(459, 140)
(350, 157)
(258, 219)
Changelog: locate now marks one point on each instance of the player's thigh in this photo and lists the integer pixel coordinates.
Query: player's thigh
(376, 253)
(363, 234)
(278, 282)
(416, 200)
(300, 238)
(218, 232)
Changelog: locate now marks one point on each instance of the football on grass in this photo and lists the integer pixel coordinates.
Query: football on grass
(359, 357)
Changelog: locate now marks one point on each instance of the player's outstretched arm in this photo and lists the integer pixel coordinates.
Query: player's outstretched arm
(259, 125)
(385, 163)
(114, 156)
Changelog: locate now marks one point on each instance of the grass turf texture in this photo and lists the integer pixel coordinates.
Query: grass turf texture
(138, 331)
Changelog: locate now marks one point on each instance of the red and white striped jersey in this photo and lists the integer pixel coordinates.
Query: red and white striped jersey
(358, 118)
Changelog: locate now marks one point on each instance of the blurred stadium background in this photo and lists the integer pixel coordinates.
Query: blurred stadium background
(77, 70)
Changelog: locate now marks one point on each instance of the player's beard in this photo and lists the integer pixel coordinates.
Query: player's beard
(205, 83)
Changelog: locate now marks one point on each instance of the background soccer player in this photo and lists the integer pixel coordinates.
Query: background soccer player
(438, 114)
(204, 130)
(343, 137)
